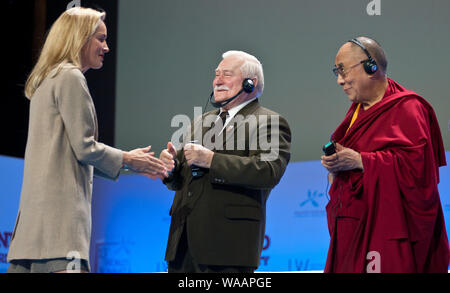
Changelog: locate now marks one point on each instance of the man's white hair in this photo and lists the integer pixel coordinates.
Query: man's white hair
(250, 69)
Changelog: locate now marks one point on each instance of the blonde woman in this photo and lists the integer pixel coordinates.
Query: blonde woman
(54, 219)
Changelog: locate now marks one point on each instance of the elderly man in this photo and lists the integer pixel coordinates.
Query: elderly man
(385, 213)
(219, 210)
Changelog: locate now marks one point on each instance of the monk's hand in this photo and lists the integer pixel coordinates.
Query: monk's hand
(344, 159)
(198, 155)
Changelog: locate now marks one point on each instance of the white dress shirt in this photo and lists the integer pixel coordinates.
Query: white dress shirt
(232, 112)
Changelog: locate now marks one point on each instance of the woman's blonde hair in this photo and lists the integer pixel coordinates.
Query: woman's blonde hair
(67, 36)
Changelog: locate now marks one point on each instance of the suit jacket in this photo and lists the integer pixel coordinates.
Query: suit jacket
(225, 210)
(54, 216)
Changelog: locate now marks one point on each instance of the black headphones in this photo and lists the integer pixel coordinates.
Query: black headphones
(248, 86)
(370, 65)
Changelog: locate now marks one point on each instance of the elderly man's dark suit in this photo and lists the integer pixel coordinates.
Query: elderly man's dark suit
(224, 211)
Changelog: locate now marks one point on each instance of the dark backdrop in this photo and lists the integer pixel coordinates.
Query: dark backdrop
(24, 27)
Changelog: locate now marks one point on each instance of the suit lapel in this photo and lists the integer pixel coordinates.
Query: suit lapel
(247, 110)
(205, 129)
(231, 129)
(199, 128)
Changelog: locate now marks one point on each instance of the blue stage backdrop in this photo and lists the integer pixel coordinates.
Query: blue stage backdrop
(11, 172)
(131, 219)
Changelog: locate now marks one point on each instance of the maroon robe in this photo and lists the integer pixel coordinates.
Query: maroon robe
(393, 207)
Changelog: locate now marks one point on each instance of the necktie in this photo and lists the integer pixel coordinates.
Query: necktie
(223, 117)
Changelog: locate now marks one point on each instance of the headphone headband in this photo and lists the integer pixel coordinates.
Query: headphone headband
(359, 44)
(370, 66)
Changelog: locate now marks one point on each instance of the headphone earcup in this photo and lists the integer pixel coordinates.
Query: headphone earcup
(370, 66)
(248, 85)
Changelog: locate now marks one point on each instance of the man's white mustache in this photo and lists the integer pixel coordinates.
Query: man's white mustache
(221, 88)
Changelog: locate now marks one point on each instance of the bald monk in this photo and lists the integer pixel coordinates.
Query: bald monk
(384, 213)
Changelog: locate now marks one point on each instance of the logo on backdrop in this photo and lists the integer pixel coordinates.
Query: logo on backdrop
(312, 204)
(266, 245)
(113, 257)
(298, 265)
(5, 239)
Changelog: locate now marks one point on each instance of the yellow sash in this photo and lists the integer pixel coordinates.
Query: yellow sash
(355, 115)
